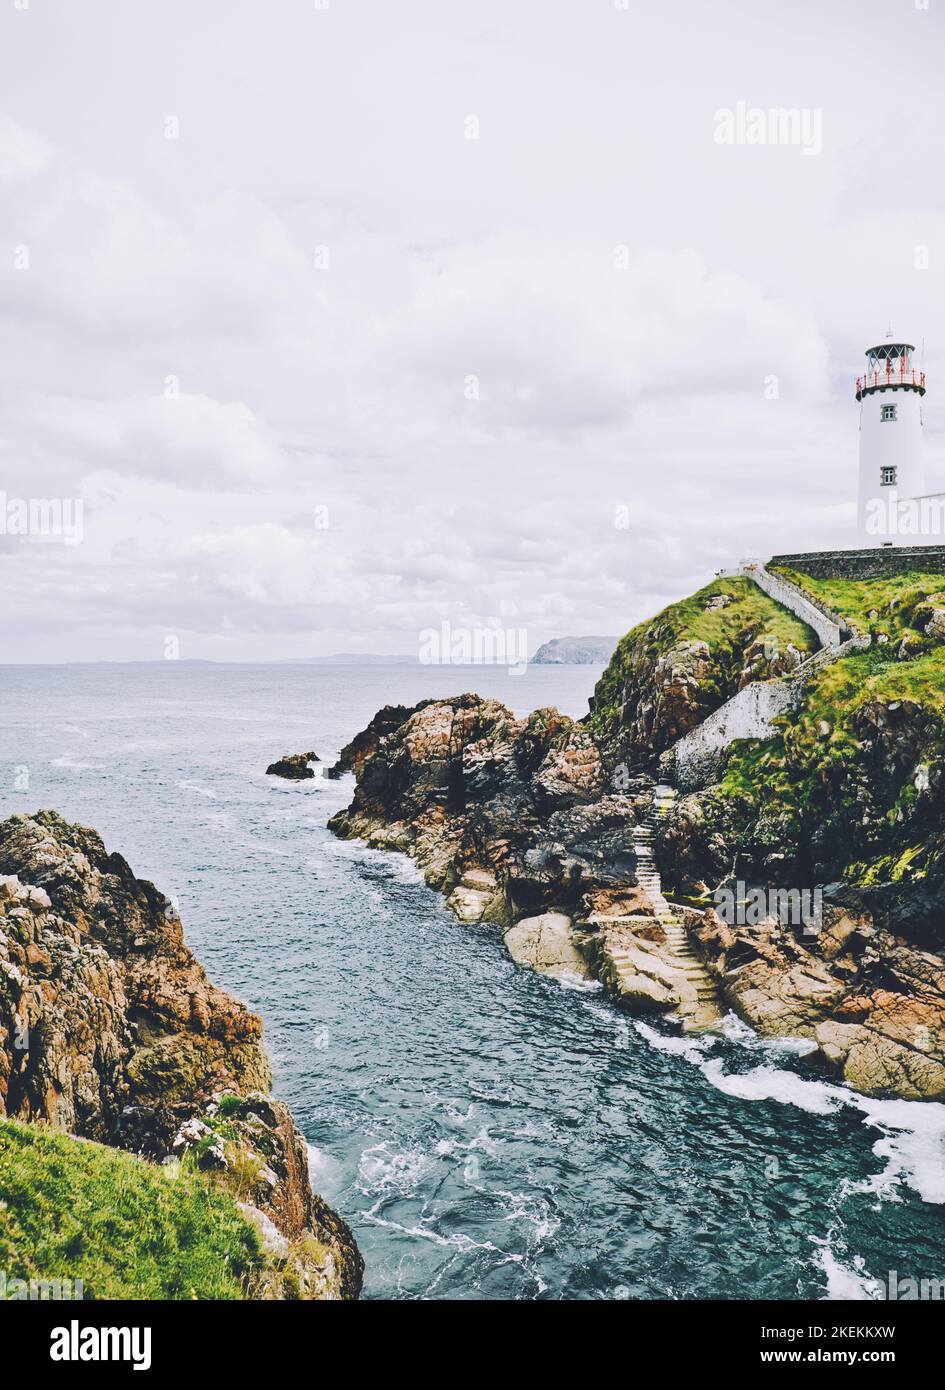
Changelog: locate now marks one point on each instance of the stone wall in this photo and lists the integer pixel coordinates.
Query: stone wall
(866, 564)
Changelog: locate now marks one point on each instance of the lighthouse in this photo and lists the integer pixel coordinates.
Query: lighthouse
(891, 465)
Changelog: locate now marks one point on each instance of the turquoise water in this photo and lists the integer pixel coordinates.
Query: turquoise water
(487, 1133)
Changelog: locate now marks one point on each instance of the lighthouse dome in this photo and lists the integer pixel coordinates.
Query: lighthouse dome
(889, 349)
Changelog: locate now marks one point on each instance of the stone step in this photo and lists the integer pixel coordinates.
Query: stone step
(703, 1012)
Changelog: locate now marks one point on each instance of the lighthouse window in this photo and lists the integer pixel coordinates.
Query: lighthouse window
(887, 412)
(887, 476)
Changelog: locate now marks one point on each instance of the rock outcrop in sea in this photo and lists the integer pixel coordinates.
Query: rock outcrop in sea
(516, 821)
(111, 1031)
(293, 766)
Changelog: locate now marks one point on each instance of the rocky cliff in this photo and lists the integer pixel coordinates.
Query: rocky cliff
(111, 1031)
(669, 673)
(543, 825)
(515, 820)
(503, 814)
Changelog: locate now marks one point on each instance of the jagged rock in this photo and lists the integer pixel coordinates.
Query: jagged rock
(874, 1006)
(110, 1029)
(364, 744)
(463, 786)
(479, 898)
(762, 662)
(293, 766)
(512, 818)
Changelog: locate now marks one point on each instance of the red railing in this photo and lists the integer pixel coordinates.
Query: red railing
(902, 375)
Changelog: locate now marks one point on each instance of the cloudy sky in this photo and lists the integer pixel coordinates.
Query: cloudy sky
(347, 318)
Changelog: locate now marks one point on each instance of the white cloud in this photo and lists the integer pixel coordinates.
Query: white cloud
(22, 152)
(324, 263)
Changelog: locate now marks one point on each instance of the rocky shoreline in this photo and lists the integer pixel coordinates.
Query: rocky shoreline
(518, 822)
(111, 1031)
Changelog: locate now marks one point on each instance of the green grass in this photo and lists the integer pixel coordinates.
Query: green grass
(886, 605)
(809, 775)
(128, 1228)
(727, 632)
(690, 620)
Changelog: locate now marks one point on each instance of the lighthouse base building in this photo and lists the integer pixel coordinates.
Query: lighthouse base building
(893, 506)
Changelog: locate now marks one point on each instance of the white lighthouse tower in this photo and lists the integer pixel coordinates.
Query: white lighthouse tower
(891, 463)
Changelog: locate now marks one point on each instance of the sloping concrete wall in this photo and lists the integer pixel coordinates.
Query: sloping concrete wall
(828, 627)
(748, 714)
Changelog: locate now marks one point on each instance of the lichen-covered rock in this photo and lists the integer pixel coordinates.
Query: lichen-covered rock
(110, 1029)
(874, 1006)
(479, 897)
(513, 816)
(364, 744)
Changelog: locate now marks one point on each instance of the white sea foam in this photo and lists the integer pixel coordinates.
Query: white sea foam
(324, 1171)
(531, 1210)
(393, 863)
(197, 789)
(482, 1141)
(913, 1132)
(846, 1279)
(454, 1113)
(693, 1049)
(455, 1241)
(738, 1031)
(772, 1083)
(383, 1167)
(913, 1145)
(569, 979)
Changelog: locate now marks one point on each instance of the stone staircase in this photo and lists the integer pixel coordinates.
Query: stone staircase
(638, 966)
(708, 1012)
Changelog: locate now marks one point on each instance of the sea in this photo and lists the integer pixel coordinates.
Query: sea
(488, 1133)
